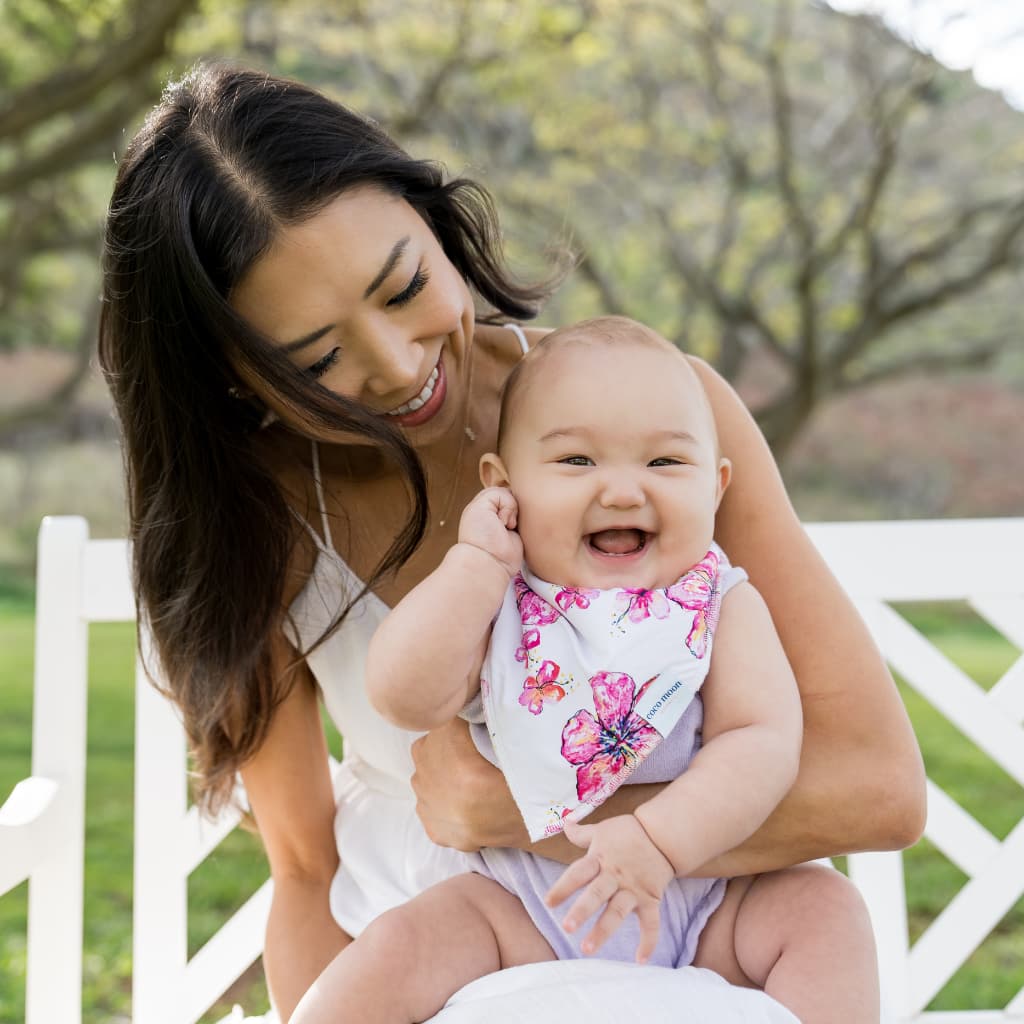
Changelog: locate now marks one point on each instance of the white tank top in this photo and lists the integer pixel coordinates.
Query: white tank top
(377, 752)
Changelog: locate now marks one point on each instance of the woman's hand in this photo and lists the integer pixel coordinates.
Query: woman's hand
(462, 800)
(624, 872)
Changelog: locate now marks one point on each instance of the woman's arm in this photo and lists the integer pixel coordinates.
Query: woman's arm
(288, 785)
(751, 743)
(861, 780)
(860, 785)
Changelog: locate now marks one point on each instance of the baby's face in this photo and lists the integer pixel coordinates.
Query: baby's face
(612, 457)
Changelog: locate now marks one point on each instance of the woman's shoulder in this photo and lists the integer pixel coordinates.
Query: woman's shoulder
(498, 341)
(534, 334)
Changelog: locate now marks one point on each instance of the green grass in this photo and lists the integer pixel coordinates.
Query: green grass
(989, 979)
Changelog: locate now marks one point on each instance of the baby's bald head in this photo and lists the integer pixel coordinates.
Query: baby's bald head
(571, 344)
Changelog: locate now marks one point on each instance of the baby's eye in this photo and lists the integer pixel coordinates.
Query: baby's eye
(577, 460)
(666, 461)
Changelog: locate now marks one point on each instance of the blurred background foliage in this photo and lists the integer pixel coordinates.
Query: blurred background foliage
(829, 216)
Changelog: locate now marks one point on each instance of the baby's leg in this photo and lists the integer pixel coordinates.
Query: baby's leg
(410, 960)
(803, 935)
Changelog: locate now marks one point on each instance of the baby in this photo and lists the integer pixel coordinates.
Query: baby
(594, 633)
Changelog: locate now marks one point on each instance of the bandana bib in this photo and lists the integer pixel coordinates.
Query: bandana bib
(578, 686)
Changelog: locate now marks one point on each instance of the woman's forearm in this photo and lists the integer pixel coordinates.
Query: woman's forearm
(302, 939)
(861, 779)
(857, 788)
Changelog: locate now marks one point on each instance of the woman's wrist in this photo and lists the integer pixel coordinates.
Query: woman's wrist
(479, 810)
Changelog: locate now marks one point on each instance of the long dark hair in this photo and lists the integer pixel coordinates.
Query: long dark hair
(226, 159)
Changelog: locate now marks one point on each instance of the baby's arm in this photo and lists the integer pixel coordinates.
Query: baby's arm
(752, 731)
(424, 660)
(752, 728)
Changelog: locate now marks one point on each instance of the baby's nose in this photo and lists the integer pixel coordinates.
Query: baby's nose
(622, 490)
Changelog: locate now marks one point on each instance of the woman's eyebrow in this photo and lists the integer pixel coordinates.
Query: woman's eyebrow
(301, 343)
(397, 251)
(389, 264)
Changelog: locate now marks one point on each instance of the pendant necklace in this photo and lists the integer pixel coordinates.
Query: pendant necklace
(467, 434)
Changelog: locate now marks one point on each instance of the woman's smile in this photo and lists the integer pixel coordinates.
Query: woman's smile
(427, 401)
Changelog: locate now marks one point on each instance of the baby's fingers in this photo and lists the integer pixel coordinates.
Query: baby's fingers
(649, 918)
(620, 906)
(506, 507)
(590, 901)
(574, 877)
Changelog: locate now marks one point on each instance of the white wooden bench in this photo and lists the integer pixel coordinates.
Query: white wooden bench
(42, 822)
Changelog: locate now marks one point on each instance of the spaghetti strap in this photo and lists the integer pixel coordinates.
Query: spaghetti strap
(521, 335)
(318, 481)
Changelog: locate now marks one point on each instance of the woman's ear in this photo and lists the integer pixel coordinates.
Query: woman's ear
(492, 470)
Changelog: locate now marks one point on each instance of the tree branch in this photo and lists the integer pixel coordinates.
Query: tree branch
(888, 127)
(738, 166)
(942, 244)
(75, 86)
(880, 317)
(731, 309)
(924, 362)
(782, 122)
(999, 255)
(84, 138)
(430, 92)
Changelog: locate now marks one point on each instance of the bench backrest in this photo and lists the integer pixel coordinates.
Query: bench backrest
(980, 562)
(41, 825)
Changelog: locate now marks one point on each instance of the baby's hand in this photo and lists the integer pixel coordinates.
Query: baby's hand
(622, 871)
(489, 523)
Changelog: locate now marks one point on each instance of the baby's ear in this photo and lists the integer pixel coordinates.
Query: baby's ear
(724, 477)
(492, 470)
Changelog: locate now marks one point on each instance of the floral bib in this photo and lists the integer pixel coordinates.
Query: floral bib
(578, 686)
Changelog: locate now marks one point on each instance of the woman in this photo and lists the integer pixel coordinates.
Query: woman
(290, 332)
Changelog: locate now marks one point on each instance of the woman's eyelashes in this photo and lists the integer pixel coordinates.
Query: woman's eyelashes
(321, 366)
(416, 284)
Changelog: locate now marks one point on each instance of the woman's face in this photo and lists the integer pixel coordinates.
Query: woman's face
(363, 298)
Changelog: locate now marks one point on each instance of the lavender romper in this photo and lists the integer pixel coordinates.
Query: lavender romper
(688, 902)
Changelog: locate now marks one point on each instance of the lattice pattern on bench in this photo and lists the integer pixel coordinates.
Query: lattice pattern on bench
(982, 563)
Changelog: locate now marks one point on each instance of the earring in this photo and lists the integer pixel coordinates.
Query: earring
(268, 417)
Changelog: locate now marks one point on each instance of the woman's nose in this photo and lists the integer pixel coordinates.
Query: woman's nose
(622, 489)
(394, 364)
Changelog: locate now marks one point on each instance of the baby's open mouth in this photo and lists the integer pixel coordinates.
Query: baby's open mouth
(618, 542)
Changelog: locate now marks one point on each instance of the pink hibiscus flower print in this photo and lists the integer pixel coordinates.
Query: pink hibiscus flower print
(531, 639)
(578, 596)
(533, 609)
(639, 604)
(606, 749)
(541, 687)
(698, 592)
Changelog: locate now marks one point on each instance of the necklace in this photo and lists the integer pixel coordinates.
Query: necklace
(466, 434)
